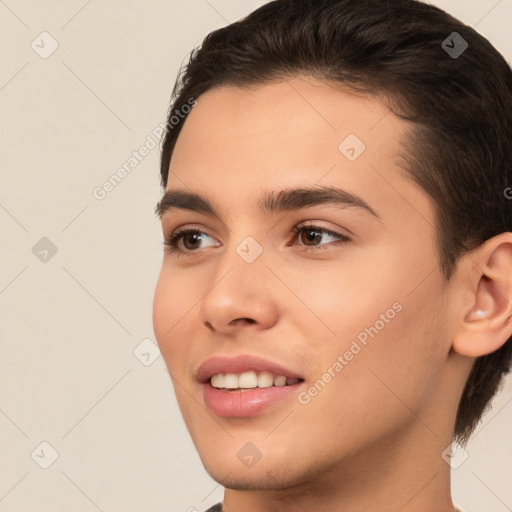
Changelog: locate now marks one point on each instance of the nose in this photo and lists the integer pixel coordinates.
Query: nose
(241, 294)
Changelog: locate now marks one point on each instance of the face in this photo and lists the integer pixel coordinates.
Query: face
(341, 289)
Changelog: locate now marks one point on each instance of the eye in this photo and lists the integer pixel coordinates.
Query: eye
(308, 234)
(189, 237)
(187, 240)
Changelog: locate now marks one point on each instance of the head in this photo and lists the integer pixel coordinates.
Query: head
(418, 286)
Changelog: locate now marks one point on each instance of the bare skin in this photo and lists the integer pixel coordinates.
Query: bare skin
(372, 438)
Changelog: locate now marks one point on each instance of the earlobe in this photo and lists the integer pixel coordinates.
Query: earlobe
(486, 324)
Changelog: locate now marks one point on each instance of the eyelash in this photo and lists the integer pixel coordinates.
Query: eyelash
(172, 241)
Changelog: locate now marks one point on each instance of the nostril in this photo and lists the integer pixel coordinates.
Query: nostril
(248, 320)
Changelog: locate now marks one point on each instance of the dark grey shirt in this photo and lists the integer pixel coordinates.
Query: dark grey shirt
(215, 508)
(218, 508)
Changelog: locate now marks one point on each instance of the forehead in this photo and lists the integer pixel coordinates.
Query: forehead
(299, 132)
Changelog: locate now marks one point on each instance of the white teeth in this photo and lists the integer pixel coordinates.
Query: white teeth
(231, 381)
(265, 380)
(250, 380)
(280, 381)
(217, 381)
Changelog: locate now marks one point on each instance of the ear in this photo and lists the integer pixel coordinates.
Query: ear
(485, 321)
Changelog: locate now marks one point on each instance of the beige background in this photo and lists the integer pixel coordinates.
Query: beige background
(70, 323)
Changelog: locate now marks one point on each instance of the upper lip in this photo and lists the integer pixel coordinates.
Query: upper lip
(240, 364)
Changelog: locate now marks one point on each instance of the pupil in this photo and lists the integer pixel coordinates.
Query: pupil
(311, 238)
(190, 235)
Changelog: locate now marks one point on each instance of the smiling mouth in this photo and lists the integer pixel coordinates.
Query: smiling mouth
(243, 385)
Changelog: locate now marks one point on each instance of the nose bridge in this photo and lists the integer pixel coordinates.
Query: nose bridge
(241, 266)
(243, 249)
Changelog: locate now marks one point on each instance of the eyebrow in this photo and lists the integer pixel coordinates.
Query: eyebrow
(271, 202)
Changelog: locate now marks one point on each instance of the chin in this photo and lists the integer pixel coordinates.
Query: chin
(251, 479)
(269, 473)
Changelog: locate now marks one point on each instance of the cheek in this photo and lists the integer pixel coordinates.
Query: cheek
(175, 296)
(172, 307)
(382, 384)
(403, 363)
(172, 303)
(387, 349)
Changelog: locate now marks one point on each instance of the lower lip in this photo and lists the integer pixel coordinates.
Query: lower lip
(241, 404)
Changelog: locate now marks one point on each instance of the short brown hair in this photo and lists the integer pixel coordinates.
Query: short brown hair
(459, 149)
